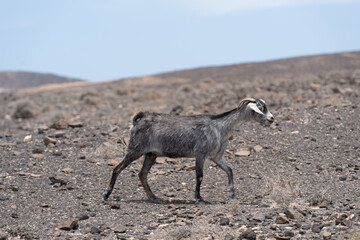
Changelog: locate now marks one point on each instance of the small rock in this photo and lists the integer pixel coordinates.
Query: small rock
(37, 155)
(76, 124)
(316, 228)
(190, 168)
(27, 138)
(342, 178)
(57, 152)
(248, 235)
(57, 234)
(224, 221)
(67, 225)
(163, 226)
(95, 230)
(48, 140)
(259, 217)
(293, 214)
(243, 152)
(60, 124)
(59, 179)
(112, 162)
(326, 235)
(243, 228)
(82, 217)
(38, 150)
(258, 148)
(59, 134)
(67, 170)
(282, 219)
(115, 206)
(229, 237)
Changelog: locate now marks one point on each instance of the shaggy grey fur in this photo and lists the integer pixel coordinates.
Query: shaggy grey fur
(198, 136)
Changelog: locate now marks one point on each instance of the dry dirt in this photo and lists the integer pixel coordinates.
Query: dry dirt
(300, 181)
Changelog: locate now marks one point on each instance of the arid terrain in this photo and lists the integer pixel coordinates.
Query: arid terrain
(298, 179)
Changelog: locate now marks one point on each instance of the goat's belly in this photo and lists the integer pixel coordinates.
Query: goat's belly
(174, 154)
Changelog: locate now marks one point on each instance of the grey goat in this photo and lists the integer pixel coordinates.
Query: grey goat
(197, 136)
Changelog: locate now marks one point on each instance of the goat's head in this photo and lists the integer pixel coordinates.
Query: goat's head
(256, 110)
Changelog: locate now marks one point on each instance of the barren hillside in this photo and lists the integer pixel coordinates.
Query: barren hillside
(298, 179)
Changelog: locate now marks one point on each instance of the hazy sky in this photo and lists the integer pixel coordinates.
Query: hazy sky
(111, 39)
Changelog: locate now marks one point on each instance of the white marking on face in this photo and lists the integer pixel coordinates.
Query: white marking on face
(269, 115)
(255, 108)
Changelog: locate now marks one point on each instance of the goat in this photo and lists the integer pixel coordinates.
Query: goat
(196, 136)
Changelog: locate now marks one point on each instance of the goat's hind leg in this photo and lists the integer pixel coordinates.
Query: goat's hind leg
(148, 163)
(129, 158)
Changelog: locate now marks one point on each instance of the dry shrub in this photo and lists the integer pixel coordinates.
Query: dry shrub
(199, 230)
(90, 98)
(25, 109)
(281, 190)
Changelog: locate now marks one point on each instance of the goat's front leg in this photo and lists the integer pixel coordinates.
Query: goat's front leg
(219, 160)
(199, 177)
(129, 158)
(148, 163)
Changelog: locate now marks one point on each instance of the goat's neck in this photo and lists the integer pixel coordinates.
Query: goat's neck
(227, 122)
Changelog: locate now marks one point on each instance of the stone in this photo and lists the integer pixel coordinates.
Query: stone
(58, 179)
(293, 214)
(67, 170)
(95, 230)
(243, 152)
(281, 219)
(229, 237)
(57, 234)
(60, 124)
(316, 228)
(27, 138)
(59, 134)
(258, 148)
(115, 206)
(112, 162)
(82, 217)
(326, 235)
(259, 217)
(37, 155)
(38, 150)
(248, 235)
(67, 225)
(57, 152)
(224, 221)
(48, 140)
(243, 228)
(190, 168)
(76, 124)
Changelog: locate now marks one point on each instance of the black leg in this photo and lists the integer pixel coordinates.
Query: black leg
(129, 158)
(148, 163)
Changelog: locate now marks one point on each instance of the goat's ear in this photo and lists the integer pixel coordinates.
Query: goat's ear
(255, 108)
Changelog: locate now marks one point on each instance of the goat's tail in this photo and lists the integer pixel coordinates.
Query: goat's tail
(137, 118)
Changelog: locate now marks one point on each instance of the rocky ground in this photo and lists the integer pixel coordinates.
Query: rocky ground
(298, 179)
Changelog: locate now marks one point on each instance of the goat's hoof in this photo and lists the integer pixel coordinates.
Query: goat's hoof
(200, 201)
(232, 195)
(155, 200)
(106, 195)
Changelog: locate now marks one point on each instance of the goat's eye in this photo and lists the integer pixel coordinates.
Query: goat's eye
(260, 106)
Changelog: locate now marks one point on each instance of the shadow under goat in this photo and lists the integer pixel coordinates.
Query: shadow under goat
(201, 137)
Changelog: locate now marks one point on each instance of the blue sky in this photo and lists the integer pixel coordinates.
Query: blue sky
(112, 39)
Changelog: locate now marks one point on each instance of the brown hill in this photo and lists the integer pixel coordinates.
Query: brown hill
(18, 80)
